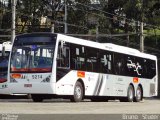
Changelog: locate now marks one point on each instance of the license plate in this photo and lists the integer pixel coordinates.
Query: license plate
(27, 85)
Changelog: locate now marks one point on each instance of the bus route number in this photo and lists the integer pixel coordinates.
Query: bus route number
(36, 76)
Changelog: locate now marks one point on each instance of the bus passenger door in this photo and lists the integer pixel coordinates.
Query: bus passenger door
(63, 60)
(119, 70)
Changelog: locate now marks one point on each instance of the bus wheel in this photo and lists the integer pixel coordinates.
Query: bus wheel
(78, 92)
(130, 95)
(138, 97)
(37, 98)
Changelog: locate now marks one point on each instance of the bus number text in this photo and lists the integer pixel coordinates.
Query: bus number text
(36, 76)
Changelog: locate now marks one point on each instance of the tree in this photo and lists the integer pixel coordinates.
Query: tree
(6, 18)
(78, 16)
(31, 11)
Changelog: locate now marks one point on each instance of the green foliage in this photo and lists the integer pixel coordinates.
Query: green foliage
(104, 25)
(6, 21)
(108, 18)
(77, 15)
(30, 11)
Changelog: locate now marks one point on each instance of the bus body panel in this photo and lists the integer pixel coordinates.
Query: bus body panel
(32, 83)
(104, 85)
(34, 88)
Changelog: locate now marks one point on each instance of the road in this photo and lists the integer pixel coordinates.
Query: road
(59, 106)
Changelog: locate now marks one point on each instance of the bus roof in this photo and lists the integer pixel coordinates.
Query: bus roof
(107, 46)
(128, 50)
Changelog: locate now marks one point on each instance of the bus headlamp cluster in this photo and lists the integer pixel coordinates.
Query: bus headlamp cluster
(47, 79)
(12, 80)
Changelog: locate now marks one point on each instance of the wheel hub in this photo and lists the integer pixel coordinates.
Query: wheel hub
(78, 92)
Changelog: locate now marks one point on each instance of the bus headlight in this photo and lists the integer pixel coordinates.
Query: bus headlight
(12, 80)
(47, 79)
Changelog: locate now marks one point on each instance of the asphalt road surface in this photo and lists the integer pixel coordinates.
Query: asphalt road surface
(60, 106)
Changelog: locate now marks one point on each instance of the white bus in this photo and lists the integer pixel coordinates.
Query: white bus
(47, 65)
(5, 49)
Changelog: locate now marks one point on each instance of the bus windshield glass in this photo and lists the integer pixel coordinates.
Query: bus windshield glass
(33, 54)
(4, 67)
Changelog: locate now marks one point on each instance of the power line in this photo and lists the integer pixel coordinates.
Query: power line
(131, 20)
(119, 40)
(106, 17)
(74, 25)
(116, 15)
(103, 35)
(137, 45)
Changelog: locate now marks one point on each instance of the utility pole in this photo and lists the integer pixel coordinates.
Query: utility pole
(141, 38)
(65, 18)
(97, 31)
(13, 20)
(52, 23)
(52, 28)
(141, 29)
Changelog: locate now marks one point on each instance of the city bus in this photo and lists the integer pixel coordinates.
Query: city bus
(5, 49)
(49, 65)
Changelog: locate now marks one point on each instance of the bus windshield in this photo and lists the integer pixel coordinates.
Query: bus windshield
(3, 67)
(33, 54)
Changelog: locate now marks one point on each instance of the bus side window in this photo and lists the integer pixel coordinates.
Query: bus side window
(63, 57)
(77, 57)
(152, 68)
(105, 62)
(92, 59)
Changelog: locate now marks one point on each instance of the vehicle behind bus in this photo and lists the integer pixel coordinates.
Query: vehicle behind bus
(5, 49)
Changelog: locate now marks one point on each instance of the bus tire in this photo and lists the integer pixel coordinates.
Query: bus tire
(130, 95)
(139, 93)
(37, 98)
(78, 92)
